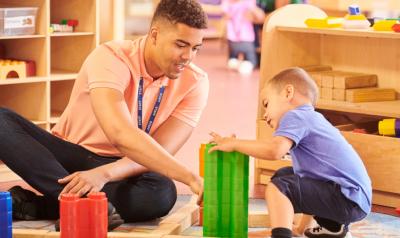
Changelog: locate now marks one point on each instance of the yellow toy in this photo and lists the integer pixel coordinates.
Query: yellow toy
(329, 22)
(384, 25)
(12, 66)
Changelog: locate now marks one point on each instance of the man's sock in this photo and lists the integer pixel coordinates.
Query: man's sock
(281, 232)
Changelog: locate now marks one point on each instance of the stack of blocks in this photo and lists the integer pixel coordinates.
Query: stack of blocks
(83, 217)
(5, 215)
(226, 188)
(348, 86)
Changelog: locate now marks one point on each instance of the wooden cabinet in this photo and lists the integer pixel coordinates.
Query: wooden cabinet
(287, 42)
(58, 58)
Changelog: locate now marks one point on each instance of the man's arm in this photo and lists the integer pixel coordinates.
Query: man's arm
(171, 135)
(113, 116)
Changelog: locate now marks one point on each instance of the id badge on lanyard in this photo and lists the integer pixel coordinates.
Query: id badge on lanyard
(140, 107)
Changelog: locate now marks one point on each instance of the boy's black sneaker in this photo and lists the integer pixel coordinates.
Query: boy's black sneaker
(24, 205)
(322, 232)
(114, 219)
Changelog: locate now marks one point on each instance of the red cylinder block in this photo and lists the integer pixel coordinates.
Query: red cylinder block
(83, 217)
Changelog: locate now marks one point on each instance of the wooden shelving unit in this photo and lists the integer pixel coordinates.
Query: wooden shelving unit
(58, 58)
(288, 42)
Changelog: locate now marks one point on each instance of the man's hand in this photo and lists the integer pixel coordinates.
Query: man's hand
(196, 185)
(84, 182)
(226, 144)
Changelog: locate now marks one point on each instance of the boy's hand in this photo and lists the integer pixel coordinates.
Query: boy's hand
(226, 144)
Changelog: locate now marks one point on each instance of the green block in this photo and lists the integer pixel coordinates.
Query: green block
(226, 185)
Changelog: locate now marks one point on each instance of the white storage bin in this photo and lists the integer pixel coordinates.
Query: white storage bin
(18, 21)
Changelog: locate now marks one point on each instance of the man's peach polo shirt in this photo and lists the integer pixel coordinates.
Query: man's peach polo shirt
(119, 65)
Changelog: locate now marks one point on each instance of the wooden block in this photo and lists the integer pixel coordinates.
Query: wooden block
(131, 235)
(180, 220)
(339, 94)
(355, 81)
(259, 219)
(370, 94)
(317, 77)
(168, 229)
(327, 93)
(327, 79)
(29, 233)
(314, 68)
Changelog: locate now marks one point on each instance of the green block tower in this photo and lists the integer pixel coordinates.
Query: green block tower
(226, 194)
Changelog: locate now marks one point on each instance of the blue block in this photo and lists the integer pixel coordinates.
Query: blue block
(354, 10)
(5, 215)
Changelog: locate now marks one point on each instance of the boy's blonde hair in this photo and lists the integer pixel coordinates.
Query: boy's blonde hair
(299, 78)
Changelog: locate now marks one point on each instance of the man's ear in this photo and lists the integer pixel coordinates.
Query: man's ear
(153, 34)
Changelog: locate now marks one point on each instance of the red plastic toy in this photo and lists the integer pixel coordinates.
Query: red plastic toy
(83, 217)
(73, 23)
(396, 27)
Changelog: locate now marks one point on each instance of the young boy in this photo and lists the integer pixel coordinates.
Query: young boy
(328, 179)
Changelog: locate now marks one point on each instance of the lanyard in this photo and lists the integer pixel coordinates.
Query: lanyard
(140, 107)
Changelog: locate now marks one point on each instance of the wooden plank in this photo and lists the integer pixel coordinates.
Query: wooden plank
(355, 81)
(131, 235)
(52, 234)
(339, 94)
(370, 95)
(327, 93)
(259, 219)
(179, 221)
(167, 229)
(262, 219)
(29, 233)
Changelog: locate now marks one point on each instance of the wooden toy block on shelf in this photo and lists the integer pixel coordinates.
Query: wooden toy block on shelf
(339, 94)
(316, 71)
(327, 93)
(356, 80)
(10, 68)
(370, 94)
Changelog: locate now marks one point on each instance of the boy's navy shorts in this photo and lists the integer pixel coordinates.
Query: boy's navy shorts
(317, 198)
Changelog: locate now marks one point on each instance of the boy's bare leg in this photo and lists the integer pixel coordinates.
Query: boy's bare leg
(280, 208)
(305, 222)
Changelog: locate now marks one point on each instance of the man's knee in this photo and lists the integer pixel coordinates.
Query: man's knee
(6, 115)
(166, 196)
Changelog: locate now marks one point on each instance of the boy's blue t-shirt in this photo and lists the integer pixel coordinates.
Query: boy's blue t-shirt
(321, 152)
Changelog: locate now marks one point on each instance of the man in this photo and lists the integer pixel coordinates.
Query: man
(134, 104)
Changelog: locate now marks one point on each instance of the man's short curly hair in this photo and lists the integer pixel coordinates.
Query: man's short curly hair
(188, 12)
